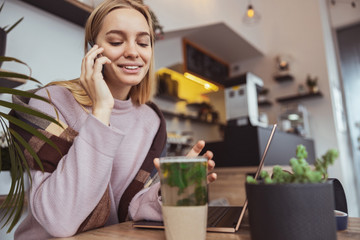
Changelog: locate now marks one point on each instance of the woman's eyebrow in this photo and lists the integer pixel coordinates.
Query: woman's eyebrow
(119, 32)
(140, 34)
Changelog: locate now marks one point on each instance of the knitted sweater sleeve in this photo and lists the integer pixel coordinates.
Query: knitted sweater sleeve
(61, 201)
(146, 205)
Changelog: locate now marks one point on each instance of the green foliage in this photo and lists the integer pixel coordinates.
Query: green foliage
(301, 170)
(8, 28)
(12, 158)
(185, 175)
(311, 81)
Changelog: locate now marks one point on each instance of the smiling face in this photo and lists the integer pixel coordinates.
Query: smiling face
(125, 37)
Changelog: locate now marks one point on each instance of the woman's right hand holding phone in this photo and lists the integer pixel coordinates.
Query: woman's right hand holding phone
(94, 84)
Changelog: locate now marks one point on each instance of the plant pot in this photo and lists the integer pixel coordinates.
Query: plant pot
(2, 43)
(313, 89)
(291, 211)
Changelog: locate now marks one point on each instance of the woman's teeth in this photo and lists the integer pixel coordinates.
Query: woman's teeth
(131, 67)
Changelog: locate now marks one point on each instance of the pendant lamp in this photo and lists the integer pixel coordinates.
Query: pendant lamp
(251, 15)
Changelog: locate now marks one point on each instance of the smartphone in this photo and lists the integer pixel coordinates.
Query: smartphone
(90, 45)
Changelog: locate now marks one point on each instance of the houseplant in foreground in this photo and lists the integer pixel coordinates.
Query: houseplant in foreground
(12, 157)
(297, 205)
(15, 160)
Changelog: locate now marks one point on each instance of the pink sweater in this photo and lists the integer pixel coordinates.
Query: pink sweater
(100, 155)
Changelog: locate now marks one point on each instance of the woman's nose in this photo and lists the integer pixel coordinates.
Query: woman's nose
(131, 51)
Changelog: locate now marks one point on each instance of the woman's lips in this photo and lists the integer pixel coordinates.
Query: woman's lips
(130, 69)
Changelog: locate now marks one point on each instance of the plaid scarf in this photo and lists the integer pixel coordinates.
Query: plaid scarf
(64, 137)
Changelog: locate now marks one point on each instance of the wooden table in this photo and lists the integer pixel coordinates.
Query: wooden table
(230, 186)
(230, 183)
(125, 231)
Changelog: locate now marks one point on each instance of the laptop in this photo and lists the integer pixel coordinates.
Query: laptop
(220, 218)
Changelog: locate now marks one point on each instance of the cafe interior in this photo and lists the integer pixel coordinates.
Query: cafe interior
(226, 72)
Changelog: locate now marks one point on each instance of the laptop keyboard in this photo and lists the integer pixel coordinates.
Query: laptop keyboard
(215, 214)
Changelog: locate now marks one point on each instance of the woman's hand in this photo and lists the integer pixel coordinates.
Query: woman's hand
(194, 152)
(94, 84)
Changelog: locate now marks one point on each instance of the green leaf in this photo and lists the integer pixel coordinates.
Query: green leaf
(2, 5)
(28, 148)
(251, 179)
(30, 129)
(12, 59)
(24, 162)
(4, 74)
(17, 200)
(14, 25)
(21, 93)
(29, 111)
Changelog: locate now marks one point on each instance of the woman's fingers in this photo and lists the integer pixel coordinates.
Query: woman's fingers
(196, 149)
(157, 163)
(93, 82)
(99, 63)
(90, 60)
(211, 177)
(211, 165)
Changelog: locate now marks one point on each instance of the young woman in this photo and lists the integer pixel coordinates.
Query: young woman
(111, 137)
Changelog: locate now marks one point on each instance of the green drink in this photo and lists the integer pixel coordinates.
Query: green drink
(184, 197)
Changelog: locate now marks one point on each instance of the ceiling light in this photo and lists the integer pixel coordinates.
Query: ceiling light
(251, 16)
(207, 85)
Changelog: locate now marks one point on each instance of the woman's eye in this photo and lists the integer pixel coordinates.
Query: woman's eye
(143, 44)
(115, 43)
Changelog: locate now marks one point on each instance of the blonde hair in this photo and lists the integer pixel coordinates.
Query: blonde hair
(140, 93)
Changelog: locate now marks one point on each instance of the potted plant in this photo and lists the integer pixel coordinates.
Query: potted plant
(296, 205)
(12, 158)
(311, 82)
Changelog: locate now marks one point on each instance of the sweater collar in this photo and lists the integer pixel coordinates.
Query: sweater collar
(123, 105)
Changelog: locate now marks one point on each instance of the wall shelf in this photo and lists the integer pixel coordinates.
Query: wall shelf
(186, 117)
(71, 10)
(299, 97)
(265, 103)
(169, 97)
(284, 78)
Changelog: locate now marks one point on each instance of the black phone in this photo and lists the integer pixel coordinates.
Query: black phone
(90, 45)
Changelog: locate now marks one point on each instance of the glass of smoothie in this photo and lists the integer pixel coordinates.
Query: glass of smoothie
(184, 197)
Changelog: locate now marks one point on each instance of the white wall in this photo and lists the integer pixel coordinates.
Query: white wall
(51, 46)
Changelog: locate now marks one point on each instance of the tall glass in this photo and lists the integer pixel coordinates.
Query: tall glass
(184, 197)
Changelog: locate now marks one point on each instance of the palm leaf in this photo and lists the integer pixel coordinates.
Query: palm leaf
(27, 147)
(5, 74)
(24, 162)
(11, 59)
(27, 110)
(30, 129)
(15, 75)
(14, 25)
(26, 94)
(14, 199)
(11, 209)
